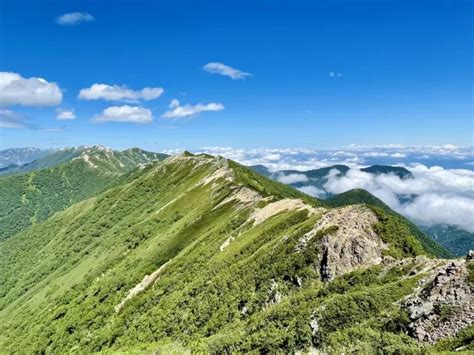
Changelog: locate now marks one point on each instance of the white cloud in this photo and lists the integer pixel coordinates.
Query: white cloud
(10, 119)
(312, 191)
(62, 114)
(16, 90)
(434, 195)
(174, 103)
(398, 155)
(375, 154)
(119, 93)
(435, 208)
(352, 156)
(74, 18)
(178, 111)
(222, 69)
(133, 114)
(292, 178)
(272, 156)
(333, 74)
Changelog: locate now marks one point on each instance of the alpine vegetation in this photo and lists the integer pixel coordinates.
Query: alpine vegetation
(196, 253)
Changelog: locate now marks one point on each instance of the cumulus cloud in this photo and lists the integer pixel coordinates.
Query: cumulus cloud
(312, 191)
(333, 74)
(119, 93)
(177, 111)
(434, 195)
(16, 90)
(74, 18)
(10, 119)
(222, 69)
(291, 178)
(133, 114)
(173, 104)
(398, 155)
(62, 114)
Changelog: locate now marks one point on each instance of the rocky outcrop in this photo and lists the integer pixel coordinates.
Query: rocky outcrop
(274, 296)
(347, 241)
(443, 305)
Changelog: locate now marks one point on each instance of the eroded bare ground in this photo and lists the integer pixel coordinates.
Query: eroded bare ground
(147, 281)
(262, 214)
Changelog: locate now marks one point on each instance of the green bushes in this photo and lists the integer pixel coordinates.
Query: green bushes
(470, 268)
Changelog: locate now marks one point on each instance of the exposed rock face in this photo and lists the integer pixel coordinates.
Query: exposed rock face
(147, 281)
(244, 196)
(286, 204)
(274, 295)
(351, 245)
(444, 303)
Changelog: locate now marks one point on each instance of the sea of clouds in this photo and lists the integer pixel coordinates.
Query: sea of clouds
(434, 195)
(441, 190)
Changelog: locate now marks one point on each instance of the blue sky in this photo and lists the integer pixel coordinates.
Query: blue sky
(401, 72)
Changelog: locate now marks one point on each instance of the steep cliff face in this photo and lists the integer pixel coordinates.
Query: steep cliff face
(347, 241)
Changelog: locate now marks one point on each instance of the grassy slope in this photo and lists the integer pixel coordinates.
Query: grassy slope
(60, 280)
(32, 197)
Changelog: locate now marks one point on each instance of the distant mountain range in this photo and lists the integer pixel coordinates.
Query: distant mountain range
(318, 177)
(35, 191)
(458, 241)
(127, 252)
(22, 160)
(19, 156)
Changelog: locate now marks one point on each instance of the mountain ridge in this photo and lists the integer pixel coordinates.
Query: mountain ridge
(206, 255)
(51, 158)
(27, 198)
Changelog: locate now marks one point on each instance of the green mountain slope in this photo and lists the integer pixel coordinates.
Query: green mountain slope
(356, 196)
(401, 172)
(32, 197)
(202, 254)
(453, 238)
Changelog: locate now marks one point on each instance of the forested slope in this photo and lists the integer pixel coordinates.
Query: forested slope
(28, 198)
